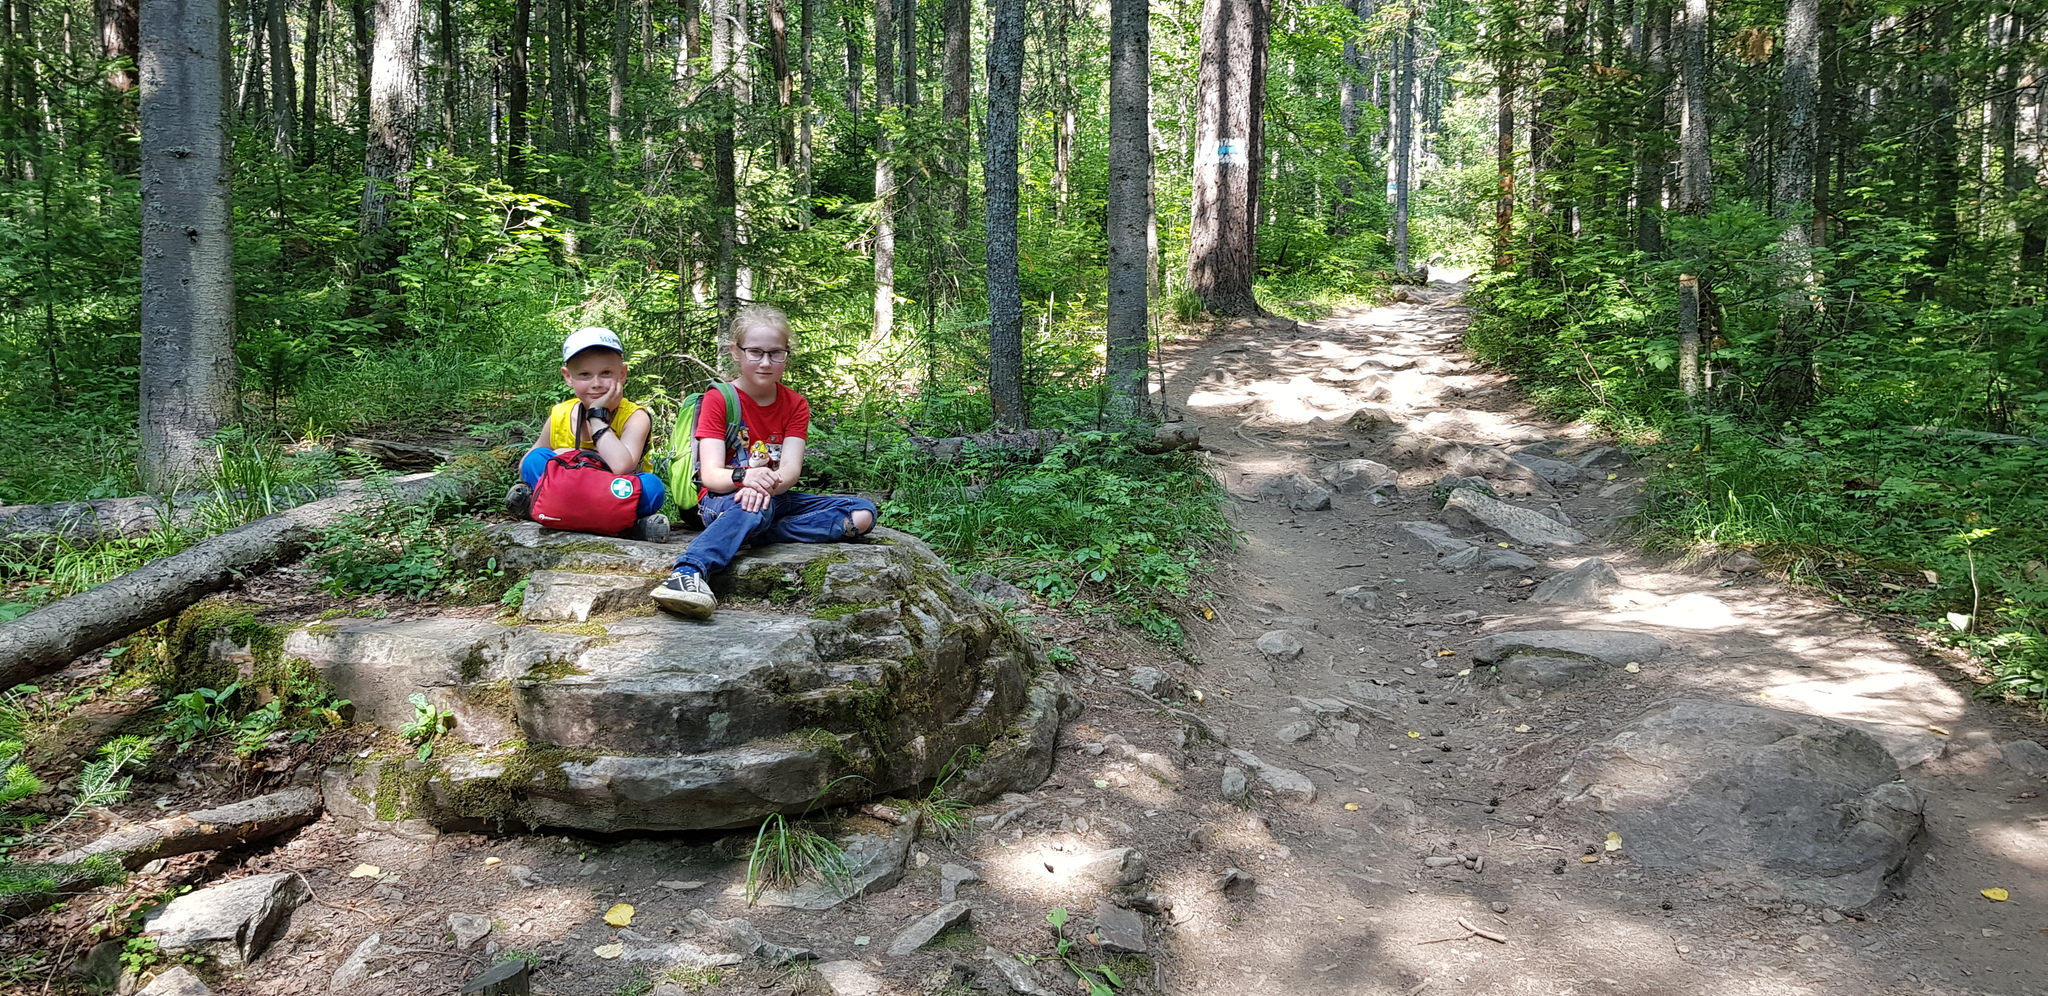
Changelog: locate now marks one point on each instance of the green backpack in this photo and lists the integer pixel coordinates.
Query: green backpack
(681, 475)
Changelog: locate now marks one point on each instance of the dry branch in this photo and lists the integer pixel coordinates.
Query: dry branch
(50, 637)
(204, 830)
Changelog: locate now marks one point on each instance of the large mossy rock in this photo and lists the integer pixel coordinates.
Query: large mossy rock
(1782, 802)
(823, 661)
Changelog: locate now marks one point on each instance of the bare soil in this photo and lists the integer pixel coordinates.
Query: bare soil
(1344, 900)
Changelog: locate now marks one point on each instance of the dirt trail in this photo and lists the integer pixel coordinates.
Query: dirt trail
(1348, 903)
(1345, 900)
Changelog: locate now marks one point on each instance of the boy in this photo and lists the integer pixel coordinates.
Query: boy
(597, 418)
(747, 473)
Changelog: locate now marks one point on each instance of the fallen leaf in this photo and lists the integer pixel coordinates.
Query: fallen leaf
(1633, 668)
(620, 915)
(1196, 694)
(1931, 576)
(1939, 730)
(366, 871)
(1351, 807)
(1447, 653)
(1464, 672)
(1413, 735)
(1996, 895)
(1101, 783)
(494, 861)
(1888, 586)
(1501, 545)
(1524, 728)
(609, 952)
(1613, 841)
(1208, 613)
(1590, 859)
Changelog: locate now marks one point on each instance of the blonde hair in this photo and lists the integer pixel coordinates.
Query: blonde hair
(759, 317)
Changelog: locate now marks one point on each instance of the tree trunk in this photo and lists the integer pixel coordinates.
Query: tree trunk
(50, 637)
(1792, 204)
(850, 31)
(359, 12)
(213, 829)
(558, 116)
(725, 54)
(807, 15)
(1695, 183)
(450, 59)
(188, 390)
(1650, 141)
(885, 175)
(1504, 87)
(284, 90)
(1228, 152)
(999, 173)
(785, 84)
(394, 118)
(517, 136)
(119, 40)
(309, 117)
(959, 88)
(1129, 205)
(906, 55)
(1404, 140)
(615, 111)
(1350, 92)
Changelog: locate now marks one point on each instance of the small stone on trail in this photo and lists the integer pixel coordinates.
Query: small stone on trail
(1431, 537)
(680, 886)
(849, 978)
(1016, 974)
(1740, 562)
(1280, 644)
(175, 981)
(1234, 882)
(1359, 598)
(1152, 681)
(1468, 557)
(357, 968)
(1122, 931)
(952, 877)
(1359, 476)
(468, 928)
(229, 924)
(506, 978)
(1498, 907)
(1585, 584)
(1295, 732)
(1235, 785)
(1462, 617)
(1470, 508)
(1284, 781)
(1830, 916)
(929, 926)
(2025, 756)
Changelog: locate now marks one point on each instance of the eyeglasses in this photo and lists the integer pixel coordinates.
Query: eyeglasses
(770, 355)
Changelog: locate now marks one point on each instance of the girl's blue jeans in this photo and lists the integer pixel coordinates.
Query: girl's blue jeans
(791, 517)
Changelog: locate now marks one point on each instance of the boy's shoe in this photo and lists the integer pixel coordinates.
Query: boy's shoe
(652, 528)
(686, 593)
(519, 500)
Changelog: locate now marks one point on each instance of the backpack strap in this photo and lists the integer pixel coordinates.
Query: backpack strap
(733, 415)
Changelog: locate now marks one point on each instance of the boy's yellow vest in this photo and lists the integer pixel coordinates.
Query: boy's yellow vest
(562, 433)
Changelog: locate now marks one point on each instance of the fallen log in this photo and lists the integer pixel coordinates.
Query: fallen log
(203, 830)
(950, 449)
(78, 522)
(50, 637)
(35, 886)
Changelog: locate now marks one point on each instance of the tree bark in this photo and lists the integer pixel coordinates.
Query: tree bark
(119, 40)
(1792, 203)
(725, 54)
(850, 31)
(309, 117)
(284, 90)
(50, 637)
(1229, 150)
(1504, 87)
(1695, 185)
(615, 110)
(517, 137)
(213, 829)
(392, 137)
(959, 88)
(1404, 137)
(1650, 140)
(999, 173)
(785, 84)
(807, 16)
(885, 174)
(1129, 206)
(188, 284)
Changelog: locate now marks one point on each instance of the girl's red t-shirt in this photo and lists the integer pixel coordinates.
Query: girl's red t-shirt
(757, 440)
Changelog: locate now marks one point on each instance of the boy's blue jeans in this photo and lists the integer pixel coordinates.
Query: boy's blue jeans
(652, 491)
(791, 517)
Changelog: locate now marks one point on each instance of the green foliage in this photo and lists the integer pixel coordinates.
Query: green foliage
(199, 713)
(1094, 517)
(1100, 979)
(784, 852)
(408, 549)
(428, 722)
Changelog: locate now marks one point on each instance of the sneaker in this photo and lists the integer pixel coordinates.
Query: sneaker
(686, 593)
(652, 528)
(519, 500)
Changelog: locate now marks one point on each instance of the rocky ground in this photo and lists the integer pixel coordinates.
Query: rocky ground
(1438, 728)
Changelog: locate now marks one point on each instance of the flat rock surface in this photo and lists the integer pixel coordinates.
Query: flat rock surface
(1762, 798)
(1471, 509)
(229, 924)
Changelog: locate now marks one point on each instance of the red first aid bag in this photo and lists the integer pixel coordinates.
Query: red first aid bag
(577, 492)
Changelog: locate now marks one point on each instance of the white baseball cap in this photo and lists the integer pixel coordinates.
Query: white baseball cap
(588, 336)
